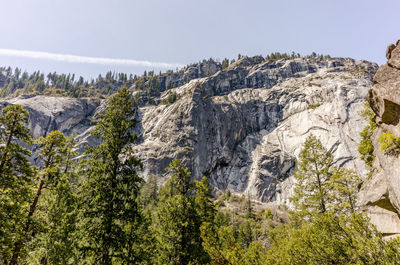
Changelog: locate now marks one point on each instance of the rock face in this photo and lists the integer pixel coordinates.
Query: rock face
(380, 195)
(189, 72)
(57, 113)
(242, 127)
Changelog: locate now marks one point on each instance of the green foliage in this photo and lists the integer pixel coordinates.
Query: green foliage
(54, 84)
(179, 182)
(249, 207)
(57, 211)
(178, 218)
(344, 184)
(52, 153)
(390, 143)
(312, 176)
(277, 56)
(321, 187)
(204, 201)
(223, 248)
(225, 63)
(365, 147)
(171, 98)
(15, 82)
(314, 106)
(16, 179)
(331, 239)
(269, 214)
(110, 217)
(176, 231)
(149, 192)
(55, 244)
(358, 70)
(336, 233)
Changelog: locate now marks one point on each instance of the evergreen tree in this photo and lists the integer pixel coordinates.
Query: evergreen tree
(52, 153)
(177, 224)
(16, 177)
(249, 207)
(111, 216)
(225, 63)
(203, 200)
(312, 175)
(246, 233)
(344, 184)
(332, 239)
(149, 192)
(55, 244)
(220, 244)
(224, 248)
(321, 187)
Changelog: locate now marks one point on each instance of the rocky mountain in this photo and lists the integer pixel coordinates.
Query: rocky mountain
(242, 126)
(380, 194)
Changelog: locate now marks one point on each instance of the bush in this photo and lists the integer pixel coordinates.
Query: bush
(331, 239)
(171, 98)
(365, 148)
(314, 106)
(390, 143)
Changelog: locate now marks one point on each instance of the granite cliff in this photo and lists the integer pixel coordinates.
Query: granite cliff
(242, 126)
(380, 194)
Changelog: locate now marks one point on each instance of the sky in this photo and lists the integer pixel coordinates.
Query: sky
(89, 37)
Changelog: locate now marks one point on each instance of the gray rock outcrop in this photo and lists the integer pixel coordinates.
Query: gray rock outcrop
(242, 127)
(380, 195)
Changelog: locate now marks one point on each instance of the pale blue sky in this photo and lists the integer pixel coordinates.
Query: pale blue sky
(186, 31)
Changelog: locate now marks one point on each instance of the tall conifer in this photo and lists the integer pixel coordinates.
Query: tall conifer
(111, 217)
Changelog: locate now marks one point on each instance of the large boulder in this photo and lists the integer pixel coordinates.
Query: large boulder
(380, 195)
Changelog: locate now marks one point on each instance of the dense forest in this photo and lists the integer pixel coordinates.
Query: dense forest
(14, 82)
(98, 210)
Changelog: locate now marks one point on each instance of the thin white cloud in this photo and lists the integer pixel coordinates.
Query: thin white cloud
(84, 59)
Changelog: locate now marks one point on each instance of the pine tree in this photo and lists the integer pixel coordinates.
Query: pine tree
(16, 179)
(225, 63)
(177, 223)
(344, 184)
(312, 174)
(332, 239)
(224, 248)
(52, 153)
(110, 216)
(203, 200)
(149, 192)
(55, 244)
(220, 244)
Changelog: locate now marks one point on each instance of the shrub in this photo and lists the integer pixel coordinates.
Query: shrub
(269, 214)
(171, 98)
(365, 148)
(314, 106)
(390, 143)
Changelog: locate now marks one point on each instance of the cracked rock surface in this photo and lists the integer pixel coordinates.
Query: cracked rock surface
(242, 127)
